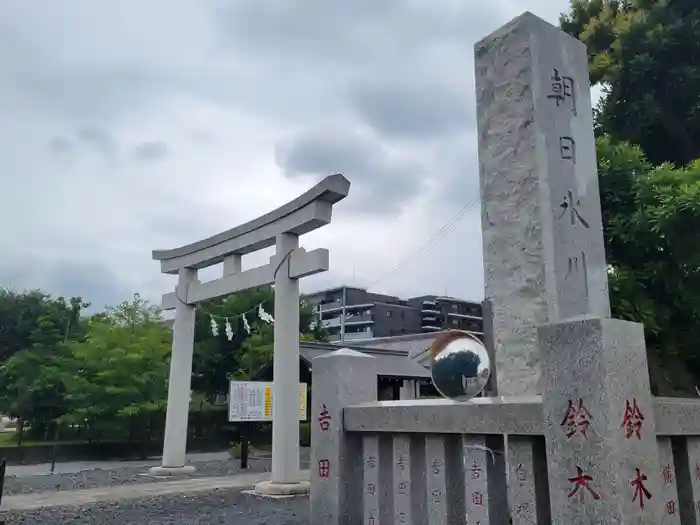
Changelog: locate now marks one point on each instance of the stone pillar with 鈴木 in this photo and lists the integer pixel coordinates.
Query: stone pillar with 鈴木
(602, 454)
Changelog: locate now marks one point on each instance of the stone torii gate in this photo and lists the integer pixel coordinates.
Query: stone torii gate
(281, 228)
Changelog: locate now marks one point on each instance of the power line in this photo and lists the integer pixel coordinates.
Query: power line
(439, 234)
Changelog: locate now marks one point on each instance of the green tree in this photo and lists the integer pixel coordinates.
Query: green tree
(36, 329)
(651, 216)
(646, 56)
(118, 376)
(22, 313)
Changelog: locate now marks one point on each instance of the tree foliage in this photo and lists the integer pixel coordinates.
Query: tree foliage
(646, 55)
(34, 332)
(107, 374)
(651, 216)
(32, 317)
(450, 369)
(119, 373)
(90, 373)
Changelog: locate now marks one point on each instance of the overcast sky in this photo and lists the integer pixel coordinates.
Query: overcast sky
(132, 125)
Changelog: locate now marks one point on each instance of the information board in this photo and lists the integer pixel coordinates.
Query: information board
(252, 401)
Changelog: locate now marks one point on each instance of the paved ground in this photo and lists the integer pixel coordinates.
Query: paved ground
(74, 467)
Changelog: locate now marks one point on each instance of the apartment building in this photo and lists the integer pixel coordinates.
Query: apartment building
(448, 313)
(350, 313)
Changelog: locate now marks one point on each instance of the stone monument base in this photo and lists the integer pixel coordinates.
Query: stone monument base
(271, 489)
(172, 471)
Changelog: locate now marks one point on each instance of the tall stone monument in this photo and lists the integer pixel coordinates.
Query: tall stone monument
(546, 277)
(544, 257)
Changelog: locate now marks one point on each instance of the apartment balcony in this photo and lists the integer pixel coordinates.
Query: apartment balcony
(465, 316)
(338, 306)
(429, 319)
(350, 320)
(430, 328)
(331, 307)
(358, 319)
(328, 323)
(361, 306)
(428, 310)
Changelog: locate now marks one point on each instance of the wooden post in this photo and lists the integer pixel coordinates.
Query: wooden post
(3, 468)
(245, 442)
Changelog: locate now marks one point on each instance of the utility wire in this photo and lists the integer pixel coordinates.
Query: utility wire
(439, 234)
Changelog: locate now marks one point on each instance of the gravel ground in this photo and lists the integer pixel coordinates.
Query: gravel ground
(125, 476)
(214, 508)
(89, 479)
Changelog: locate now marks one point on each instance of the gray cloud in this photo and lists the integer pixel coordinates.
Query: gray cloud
(99, 139)
(456, 158)
(94, 282)
(379, 90)
(358, 32)
(152, 151)
(60, 145)
(380, 183)
(412, 110)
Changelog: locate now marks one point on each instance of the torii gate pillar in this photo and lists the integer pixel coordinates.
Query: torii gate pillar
(285, 409)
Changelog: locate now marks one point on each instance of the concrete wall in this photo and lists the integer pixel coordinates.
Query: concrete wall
(392, 320)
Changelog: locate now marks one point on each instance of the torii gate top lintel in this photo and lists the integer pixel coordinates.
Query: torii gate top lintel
(309, 211)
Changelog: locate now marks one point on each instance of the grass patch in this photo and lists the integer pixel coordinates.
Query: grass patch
(8, 439)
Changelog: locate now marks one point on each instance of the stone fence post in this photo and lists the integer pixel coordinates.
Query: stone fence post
(339, 379)
(602, 450)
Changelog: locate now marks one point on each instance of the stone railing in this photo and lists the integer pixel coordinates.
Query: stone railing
(483, 462)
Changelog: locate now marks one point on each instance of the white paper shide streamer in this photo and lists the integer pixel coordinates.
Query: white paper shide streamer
(264, 316)
(228, 328)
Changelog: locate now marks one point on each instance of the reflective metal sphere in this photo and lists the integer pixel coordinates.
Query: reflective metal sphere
(460, 365)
